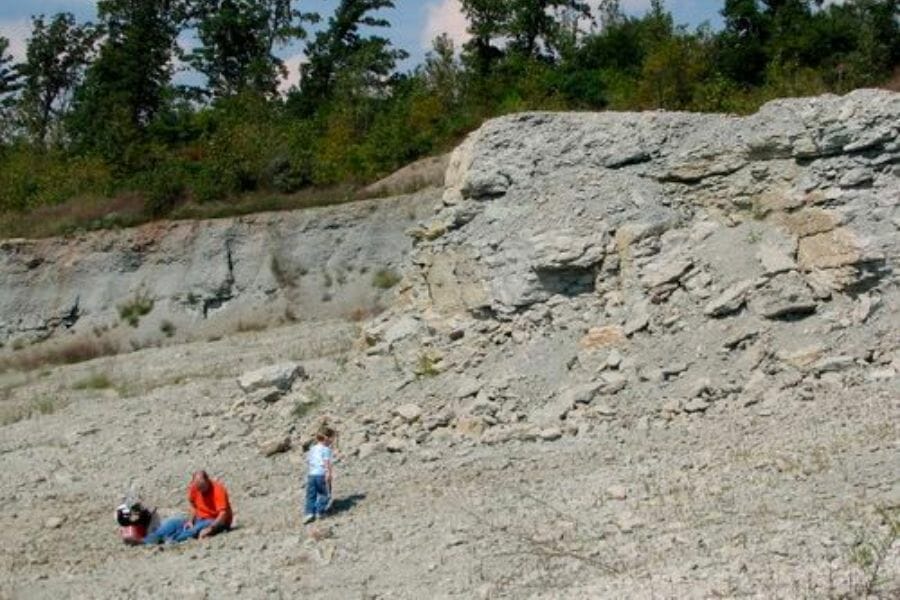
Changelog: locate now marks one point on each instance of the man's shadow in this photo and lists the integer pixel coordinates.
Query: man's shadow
(346, 503)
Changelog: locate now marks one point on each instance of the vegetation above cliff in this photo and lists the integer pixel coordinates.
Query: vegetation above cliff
(95, 132)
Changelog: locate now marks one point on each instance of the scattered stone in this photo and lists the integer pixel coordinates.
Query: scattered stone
(550, 433)
(470, 426)
(614, 359)
(617, 492)
(395, 445)
(468, 386)
(673, 369)
(265, 396)
(409, 412)
(275, 446)
(613, 383)
(775, 260)
(810, 221)
(401, 329)
(856, 177)
(672, 406)
(434, 421)
(741, 335)
(639, 319)
(696, 405)
(730, 301)
(602, 337)
(54, 522)
(667, 271)
(863, 308)
(801, 358)
(369, 448)
(885, 374)
(837, 248)
(785, 296)
(700, 387)
(579, 394)
(280, 376)
(833, 364)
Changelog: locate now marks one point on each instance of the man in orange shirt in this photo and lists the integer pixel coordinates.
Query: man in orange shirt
(210, 513)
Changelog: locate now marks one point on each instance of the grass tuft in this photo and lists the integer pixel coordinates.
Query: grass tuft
(385, 279)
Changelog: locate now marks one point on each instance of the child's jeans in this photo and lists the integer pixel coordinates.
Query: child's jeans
(317, 495)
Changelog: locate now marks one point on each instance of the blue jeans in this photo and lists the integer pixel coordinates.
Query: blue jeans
(174, 530)
(317, 495)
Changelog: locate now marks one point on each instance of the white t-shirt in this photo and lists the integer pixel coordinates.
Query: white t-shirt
(318, 455)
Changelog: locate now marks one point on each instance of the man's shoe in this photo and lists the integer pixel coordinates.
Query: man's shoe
(309, 519)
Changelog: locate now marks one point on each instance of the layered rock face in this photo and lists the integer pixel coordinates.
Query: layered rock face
(204, 277)
(683, 258)
(545, 204)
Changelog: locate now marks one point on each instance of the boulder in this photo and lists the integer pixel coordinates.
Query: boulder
(275, 446)
(281, 377)
(784, 296)
(409, 412)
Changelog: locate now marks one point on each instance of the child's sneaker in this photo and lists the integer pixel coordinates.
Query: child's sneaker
(309, 519)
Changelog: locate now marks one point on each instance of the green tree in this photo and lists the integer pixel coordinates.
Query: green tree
(237, 43)
(9, 77)
(537, 27)
(9, 83)
(342, 59)
(442, 72)
(57, 55)
(741, 51)
(859, 42)
(488, 21)
(128, 84)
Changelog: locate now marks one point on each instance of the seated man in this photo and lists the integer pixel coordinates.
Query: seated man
(210, 513)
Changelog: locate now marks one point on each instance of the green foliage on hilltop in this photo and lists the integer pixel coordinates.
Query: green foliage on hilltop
(94, 132)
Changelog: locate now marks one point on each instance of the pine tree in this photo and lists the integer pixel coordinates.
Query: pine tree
(237, 43)
(344, 61)
(57, 55)
(129, 83)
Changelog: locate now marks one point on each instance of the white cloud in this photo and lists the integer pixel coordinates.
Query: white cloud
(17, 32)
(445, 16)
(292, 64)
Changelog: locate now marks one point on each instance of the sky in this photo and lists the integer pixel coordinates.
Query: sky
(414, 23)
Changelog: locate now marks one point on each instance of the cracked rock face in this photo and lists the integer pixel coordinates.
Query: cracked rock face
(548, 191)
(204, 277)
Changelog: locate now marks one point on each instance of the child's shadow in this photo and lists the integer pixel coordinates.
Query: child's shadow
(346, 503)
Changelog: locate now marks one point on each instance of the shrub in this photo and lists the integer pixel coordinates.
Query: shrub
(97, 381)
(137, 307)
(167, 328)
(385, 279)
(162, 189)
(426, 366)
(65, 353)
(10, 414)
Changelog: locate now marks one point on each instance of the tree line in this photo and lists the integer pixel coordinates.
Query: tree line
(94, 111)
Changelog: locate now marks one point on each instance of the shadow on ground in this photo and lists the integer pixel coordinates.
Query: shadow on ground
(346, 503)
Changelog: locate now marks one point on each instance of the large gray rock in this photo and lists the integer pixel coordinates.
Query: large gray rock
(280, 377)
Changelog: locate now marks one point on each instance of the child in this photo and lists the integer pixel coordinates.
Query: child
(318, 482)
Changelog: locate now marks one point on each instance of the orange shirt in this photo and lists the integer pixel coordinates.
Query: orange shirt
(212, 503)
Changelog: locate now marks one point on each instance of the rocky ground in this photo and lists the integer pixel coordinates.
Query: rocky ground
(631, 356)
